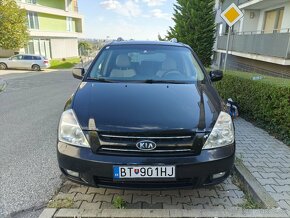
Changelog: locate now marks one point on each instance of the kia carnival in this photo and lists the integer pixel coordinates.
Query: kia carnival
(146, 115)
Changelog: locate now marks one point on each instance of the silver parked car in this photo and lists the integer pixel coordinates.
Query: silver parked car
(24, 61)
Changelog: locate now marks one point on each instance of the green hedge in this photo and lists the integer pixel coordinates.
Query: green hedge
(265, 101)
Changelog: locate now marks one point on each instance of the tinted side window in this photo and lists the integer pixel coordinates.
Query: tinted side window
(36, 58)
(27, 57)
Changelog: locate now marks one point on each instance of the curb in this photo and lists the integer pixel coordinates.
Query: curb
(163, 213)
(253, 187)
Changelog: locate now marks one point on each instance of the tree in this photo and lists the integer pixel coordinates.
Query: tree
(195, 26)
(13, 25)
(84, 47)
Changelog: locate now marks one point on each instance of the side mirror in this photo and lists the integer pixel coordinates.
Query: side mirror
(78, 73)
(216, 75)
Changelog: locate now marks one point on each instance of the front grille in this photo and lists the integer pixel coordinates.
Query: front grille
(127, 143)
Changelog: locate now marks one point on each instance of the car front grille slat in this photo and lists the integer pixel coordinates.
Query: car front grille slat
(127, 143)
(136, 150)
(146, 137)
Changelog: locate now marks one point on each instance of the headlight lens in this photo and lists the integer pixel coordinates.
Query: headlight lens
(69, 130)
(222, 133)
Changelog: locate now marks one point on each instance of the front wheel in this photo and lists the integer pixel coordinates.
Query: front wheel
(3, 66)
(35, 67)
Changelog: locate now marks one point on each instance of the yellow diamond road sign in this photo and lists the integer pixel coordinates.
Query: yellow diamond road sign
(232, 14)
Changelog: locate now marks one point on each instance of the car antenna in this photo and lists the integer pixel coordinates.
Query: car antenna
(119, 39)
(174, 40)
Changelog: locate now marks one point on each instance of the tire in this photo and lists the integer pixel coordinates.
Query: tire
(35, 67)
(3, 66)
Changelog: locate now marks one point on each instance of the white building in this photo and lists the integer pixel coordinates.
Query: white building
(54, 28)
(260, 40)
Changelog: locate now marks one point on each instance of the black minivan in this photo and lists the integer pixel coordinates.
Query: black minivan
(146, 116)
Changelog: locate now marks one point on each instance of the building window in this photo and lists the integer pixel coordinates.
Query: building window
(32, 20)
(273, 20)
(39, 47)
(69, 24)
(68, 5)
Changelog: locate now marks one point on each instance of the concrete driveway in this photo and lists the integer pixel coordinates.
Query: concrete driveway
(30, 108)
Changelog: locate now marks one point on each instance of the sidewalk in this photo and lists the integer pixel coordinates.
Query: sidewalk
(267, 158)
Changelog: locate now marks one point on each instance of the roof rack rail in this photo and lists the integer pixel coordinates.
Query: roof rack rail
(174, 40)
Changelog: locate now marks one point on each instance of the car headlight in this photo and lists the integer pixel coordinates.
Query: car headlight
(69, 130)
(222, 133)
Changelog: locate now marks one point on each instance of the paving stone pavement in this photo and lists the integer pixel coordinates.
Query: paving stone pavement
(222, 196)
(267, 158)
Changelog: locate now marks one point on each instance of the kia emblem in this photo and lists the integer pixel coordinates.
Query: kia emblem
(146, 145)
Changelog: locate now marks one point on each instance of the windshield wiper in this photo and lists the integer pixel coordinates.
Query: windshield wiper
(151, 81)
(102, 80)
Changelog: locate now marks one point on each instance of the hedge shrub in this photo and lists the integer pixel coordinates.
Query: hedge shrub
(265, 101)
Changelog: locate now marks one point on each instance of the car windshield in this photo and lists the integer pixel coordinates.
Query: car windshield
(146, 63)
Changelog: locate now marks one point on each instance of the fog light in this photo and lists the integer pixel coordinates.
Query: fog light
(218, 175)
(72, 173)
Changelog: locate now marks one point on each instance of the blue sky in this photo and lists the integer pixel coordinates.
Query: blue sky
(136, 19)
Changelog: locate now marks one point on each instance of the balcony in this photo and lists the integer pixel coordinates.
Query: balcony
(49, 10)
(252, 4)
(227, 3)
(259, 4)
(41, 33)
(258, 44)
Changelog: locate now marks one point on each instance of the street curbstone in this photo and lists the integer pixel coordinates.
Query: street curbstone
(253, 187)
(68, 213)
(176, 213)
(48, 213)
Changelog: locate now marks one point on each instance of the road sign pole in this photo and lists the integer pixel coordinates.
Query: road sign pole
(227, 49)
(231, 15)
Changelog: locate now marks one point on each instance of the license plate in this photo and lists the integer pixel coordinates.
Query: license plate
(139, 172)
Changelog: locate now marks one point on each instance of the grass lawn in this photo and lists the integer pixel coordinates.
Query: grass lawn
(67, 64)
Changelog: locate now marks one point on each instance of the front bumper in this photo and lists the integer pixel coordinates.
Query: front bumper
(191, 171)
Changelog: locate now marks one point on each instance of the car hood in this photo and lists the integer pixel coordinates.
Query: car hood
(136, 107)
(4, 59)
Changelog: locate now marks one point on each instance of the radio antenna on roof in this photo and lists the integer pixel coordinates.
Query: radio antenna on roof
(174, 40)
